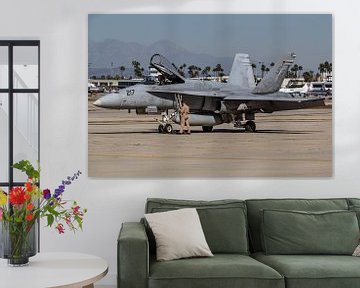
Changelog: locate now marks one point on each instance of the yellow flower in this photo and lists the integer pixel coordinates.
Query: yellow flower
(3, 198)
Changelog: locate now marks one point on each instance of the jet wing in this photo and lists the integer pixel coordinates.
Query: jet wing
(195, 93)
(273, 98)
(232, 95)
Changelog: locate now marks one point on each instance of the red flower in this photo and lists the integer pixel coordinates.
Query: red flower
(17, 196)
(68, 219)
(27, 196)
(29, 217)
(29, 206)
(60, 228)
(29, 186)
(75, 209)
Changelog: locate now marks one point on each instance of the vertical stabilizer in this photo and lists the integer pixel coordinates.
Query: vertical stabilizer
(241, 72)
(273, 79)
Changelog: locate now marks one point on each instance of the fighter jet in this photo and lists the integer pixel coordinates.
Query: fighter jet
(211, 102)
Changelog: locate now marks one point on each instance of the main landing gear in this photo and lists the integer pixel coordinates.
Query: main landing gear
(207, 128)
(249, 125)
(245, 120)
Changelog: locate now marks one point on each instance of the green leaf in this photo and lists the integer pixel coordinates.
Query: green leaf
(52, 211)
(28, 168)
(50, 219)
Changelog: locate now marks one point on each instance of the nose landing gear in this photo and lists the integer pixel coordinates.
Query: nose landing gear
(164, 123)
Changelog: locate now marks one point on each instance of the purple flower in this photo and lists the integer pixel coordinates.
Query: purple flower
(68, 181)
(57, 193)
(46, 194)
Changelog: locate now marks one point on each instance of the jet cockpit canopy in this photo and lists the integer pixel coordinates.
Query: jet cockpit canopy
(167, 69)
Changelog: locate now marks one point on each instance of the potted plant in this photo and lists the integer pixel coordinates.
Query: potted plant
(22, 207)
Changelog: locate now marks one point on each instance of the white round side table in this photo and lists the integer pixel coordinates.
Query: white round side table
(50, 270)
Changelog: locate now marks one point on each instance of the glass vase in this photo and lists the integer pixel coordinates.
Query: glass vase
(18, 242)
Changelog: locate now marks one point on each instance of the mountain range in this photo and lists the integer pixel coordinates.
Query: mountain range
(106, 57)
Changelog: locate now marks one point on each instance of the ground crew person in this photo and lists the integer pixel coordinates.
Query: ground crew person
(184, 117)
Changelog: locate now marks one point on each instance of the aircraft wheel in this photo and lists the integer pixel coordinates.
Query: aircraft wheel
(161, 129)
(168, 128)
(207, 128)
(250, 126)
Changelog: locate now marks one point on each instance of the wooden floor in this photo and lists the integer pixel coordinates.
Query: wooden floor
(294, 143)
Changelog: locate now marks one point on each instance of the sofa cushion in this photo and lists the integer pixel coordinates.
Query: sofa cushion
(313, 271)
(353, 201)
(222, 270)
(356, 209)
(254, 216)
(297, 232)
(178, 234)
(223, 221)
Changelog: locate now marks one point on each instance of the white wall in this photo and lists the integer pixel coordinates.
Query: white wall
(62, 28)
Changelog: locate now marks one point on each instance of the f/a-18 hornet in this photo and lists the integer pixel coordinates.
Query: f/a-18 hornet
(212, 103)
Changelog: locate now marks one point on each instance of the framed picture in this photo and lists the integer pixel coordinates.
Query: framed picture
(210, 95)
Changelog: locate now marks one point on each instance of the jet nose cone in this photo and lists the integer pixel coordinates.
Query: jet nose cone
(108, 101)
(98, 103)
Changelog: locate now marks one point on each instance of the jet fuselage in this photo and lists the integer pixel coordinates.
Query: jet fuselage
(133, 97)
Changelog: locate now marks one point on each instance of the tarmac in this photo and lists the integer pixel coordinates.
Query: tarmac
(295, 143)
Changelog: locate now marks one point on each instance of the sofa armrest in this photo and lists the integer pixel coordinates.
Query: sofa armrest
(133, 256)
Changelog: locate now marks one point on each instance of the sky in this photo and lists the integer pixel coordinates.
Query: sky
(265, 37)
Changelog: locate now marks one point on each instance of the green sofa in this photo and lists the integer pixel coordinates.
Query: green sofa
(256, 243)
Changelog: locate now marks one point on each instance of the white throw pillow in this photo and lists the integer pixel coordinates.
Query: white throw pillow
(357, 251)
(178, 234)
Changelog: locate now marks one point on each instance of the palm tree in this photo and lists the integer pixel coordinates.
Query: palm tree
(312, 75)
(326, 66)
(218, 69)
(321, 69)
(296, 69)
(272, 64)
(300, 69)
(263, 68)
(122, 69)
(138, 70)
(198, 70)
(253, 66)
(193, 71)
(181, 69)
(307, 76)
(206, 71)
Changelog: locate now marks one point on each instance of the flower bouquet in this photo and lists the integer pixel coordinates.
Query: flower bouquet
(21, 208)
